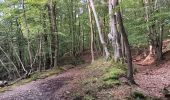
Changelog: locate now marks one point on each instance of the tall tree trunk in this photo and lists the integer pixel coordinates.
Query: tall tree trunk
(15, 67)
(28, 33)
(114, 35)
(54, 35)
(91, 32)
(107, 54)
(46, 41)
(20, 42)
(155, 38)
(5, 67)
(159, 47)
(127, 47)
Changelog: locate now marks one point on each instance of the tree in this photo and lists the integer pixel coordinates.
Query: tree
(107, 54)
(127, 48)
(116, 23)
(54, 36)
(114, 34)
(154, 35)
(91, 32)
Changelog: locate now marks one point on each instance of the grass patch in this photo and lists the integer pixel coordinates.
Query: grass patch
(90, 80)
(89, 97)
(101, 76)
(138, 95)
(112, 75)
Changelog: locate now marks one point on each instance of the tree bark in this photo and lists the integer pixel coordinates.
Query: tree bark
(114, 34)
(107, 54)
(127, 47)
(15, 67)
(155, 37)
(28, 33)
(91, 33)
(54, 35)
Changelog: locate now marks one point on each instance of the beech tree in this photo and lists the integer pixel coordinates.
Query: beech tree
(117, 30)
(91, 32)
(107, 54)
(54, 36)
(114, 35)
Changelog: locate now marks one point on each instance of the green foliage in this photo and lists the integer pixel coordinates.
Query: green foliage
(89, 97)
(113, 74)
(138, 40)
(39, 2)
(99, 77)
(138, 95)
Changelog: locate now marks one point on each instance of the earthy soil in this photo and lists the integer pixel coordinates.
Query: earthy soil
(56, 87)
(52, 88)
(151, 81)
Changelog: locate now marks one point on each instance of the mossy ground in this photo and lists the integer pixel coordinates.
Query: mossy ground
(100, 76)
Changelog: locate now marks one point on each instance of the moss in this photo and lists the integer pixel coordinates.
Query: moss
(90, 80)
(137, 95)
(89, 97)
(102, 76)
(113, 74)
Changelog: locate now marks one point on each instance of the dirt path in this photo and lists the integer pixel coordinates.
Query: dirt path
(51, 88)
(56, 87)
(151, 81)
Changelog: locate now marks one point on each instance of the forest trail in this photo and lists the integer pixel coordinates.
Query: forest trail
(151, 80)
(51, 88)
(55, 87)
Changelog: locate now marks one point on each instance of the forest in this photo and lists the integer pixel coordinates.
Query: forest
(84, 50)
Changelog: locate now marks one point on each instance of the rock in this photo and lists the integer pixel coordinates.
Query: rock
(138, 95)
(166, 91)
(67, 92)
(123, 80)
(3, 83)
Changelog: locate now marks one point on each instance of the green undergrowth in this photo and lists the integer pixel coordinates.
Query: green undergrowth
(138, 95)
(114, 72)
(101, 75)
